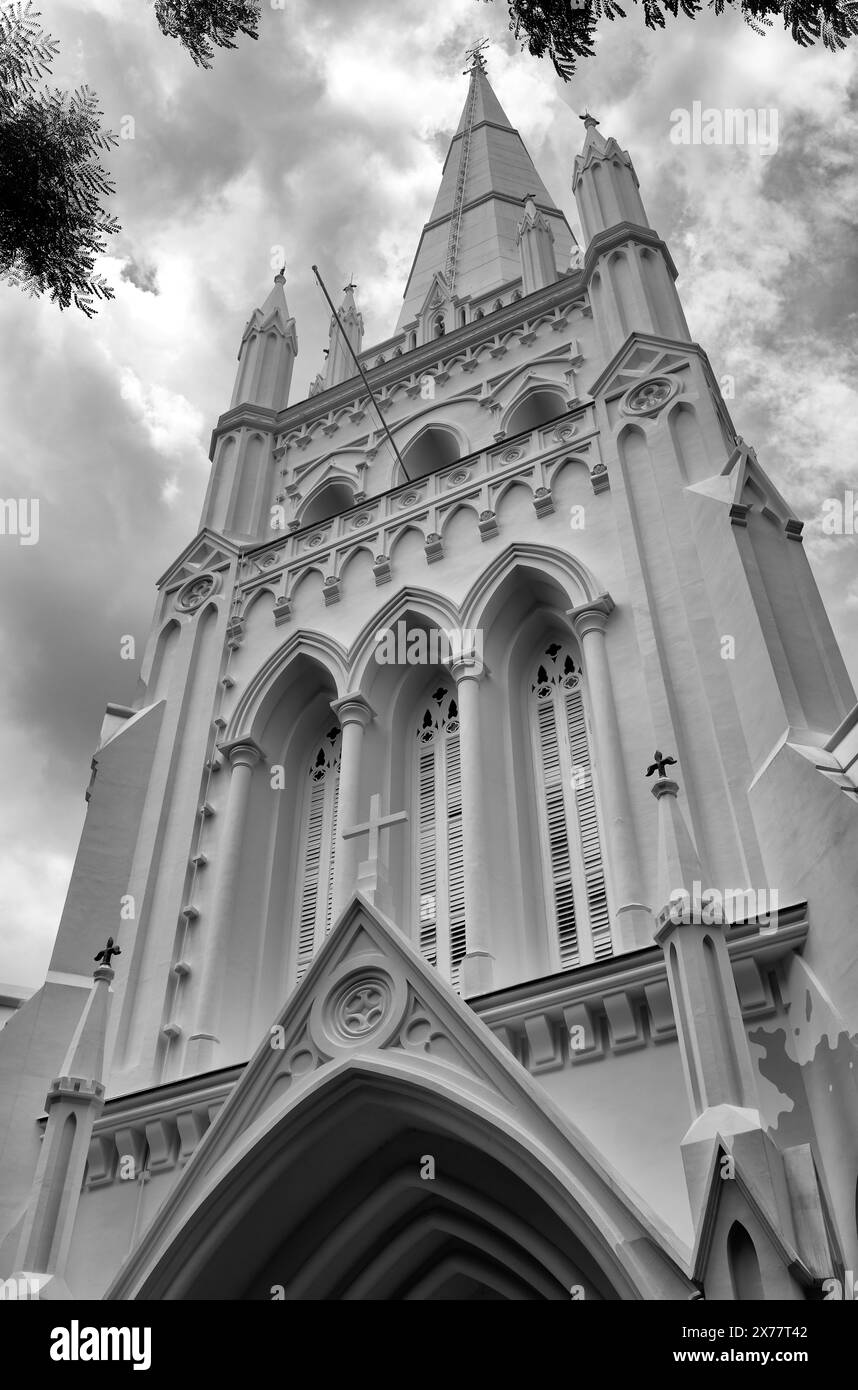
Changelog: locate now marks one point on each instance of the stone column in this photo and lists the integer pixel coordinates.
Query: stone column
(478, 966)
(243, 755)
(74, 1102)
(633, 924)
(354, 713)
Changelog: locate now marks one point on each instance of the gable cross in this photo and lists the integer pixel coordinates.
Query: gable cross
(376, 823)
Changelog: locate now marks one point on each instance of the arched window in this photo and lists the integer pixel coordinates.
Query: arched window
(434, 448)
(478, 314)
(328, 502)
(315, 877)
(439, 327)
(537, 408)
(744, 1265)
(463, 317)
(439, 885)
(498, 304)
(412, 341)
(568, 823)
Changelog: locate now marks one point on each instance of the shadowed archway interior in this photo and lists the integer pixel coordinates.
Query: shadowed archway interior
(378, 1194)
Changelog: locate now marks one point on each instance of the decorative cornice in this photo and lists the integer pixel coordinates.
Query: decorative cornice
(571, 1018)
(568, 287)
(618, 236)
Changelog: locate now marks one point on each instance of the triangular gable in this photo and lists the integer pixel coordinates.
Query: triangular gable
(642, 356)
(436, 297)
(751, 484)
(369, 1000)
(207, 551)
(740, 1182)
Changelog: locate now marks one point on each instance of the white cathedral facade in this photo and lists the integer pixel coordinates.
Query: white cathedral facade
(425, 990)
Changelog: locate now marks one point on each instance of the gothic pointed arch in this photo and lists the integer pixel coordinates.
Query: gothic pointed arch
(411, 606)
(537, 404)
(279, 672)
(435, 446)
(389, 1146)
(567, 575)
(334, 495)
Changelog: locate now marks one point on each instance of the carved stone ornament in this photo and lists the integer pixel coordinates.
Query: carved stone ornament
(195, 592)
(564, 432)
(460, 476)
(364, 1001)
(649, 396)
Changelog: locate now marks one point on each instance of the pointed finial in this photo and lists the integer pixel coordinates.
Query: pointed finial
(588, 120)
(109, 950)
(659, 763)
(280, 277)
(474, 57)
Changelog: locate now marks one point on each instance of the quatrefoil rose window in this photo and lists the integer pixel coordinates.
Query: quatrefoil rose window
(360, 1006)
(195, 592)
(650, 396)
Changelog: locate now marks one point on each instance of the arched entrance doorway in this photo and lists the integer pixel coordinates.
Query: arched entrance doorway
(375, 1190)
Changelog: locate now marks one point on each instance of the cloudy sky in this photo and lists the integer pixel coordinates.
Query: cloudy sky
(326, 138)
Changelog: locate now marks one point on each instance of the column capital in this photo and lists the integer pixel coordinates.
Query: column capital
(664, 787)
(353, 708)
(592, 616)
(468, 666)
(242, 752)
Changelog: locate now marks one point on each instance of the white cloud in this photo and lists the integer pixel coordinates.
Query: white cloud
(322, 137)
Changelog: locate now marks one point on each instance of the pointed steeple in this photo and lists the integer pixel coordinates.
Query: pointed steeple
(340, 364)
(269, 346)
(605, 183)
(471, 235)
(536, 246)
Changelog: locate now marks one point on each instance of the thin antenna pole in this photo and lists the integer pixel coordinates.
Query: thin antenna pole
(354, 356)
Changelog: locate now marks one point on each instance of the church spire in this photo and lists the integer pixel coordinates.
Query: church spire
(269, 346)
(470, 240)
(605, 183)
(339, 365)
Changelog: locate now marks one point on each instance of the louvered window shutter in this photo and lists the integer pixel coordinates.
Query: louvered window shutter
(556, 833)
(316, 858)
(568, 820)
(426, 857)
(455, 858)
(588, 828)
(439, 854)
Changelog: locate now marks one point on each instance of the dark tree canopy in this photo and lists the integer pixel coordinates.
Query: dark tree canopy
(52, 224)
(563, 30)
(52, 186)
(203, 25)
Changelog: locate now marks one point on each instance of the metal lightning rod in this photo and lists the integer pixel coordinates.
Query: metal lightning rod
(354, 357)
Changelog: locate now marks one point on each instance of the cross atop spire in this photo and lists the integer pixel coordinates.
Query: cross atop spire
(475, 57)
(470, 234)
(588, 120)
